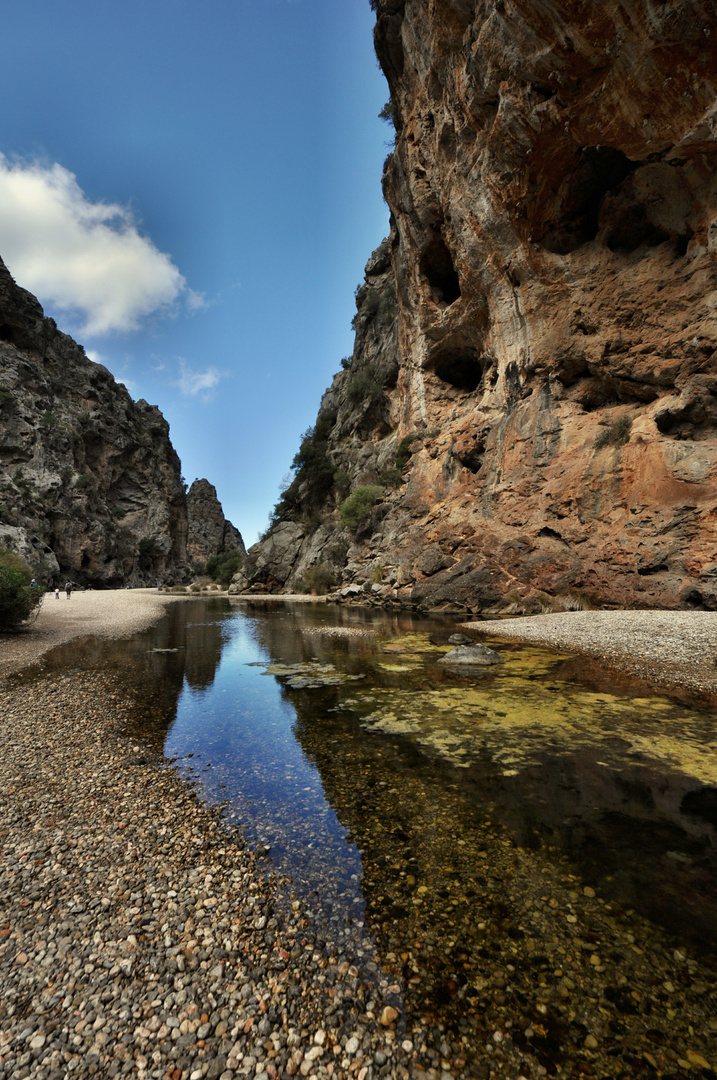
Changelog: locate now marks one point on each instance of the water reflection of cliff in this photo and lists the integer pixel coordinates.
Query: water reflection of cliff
(184, 647)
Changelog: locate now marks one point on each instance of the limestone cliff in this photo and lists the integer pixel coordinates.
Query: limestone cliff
(208, 532)
(543, 340)
(90, 485)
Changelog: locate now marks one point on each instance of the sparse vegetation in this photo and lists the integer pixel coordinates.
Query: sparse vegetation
(403, 450)
(315, 473)
(18, 598)
(222, 568)
(365, 386)
(318, 579)
(617, 434)
(355, 509)
(388, 113)
(149, 549)
(85, 481)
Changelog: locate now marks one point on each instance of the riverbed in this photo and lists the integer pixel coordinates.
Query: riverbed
(519, 860)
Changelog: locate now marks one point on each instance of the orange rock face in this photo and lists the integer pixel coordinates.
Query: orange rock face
(554, 233)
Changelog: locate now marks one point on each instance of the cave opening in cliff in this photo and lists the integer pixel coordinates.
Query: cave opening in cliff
(597, 171)
(460, 368)
(440, 273)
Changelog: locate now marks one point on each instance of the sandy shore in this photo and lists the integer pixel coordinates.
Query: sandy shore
(669, 648)
(110, 613)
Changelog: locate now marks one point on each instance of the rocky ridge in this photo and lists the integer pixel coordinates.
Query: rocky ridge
(531, 404)
(90, 484)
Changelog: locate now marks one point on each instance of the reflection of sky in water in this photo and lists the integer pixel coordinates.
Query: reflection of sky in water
(240, 733)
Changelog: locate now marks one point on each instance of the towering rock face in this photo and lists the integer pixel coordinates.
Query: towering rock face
(553, 243)
(90, 485)
(208, 533)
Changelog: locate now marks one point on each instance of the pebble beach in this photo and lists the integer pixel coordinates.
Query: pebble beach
(136, 934)
(139, 935)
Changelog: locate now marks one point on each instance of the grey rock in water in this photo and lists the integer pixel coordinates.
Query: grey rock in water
(461, 639)
(472, 654)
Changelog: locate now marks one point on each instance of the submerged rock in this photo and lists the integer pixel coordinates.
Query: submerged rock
(472, 654)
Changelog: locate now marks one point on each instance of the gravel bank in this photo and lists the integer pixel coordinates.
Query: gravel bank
(136, 934)
(670, 648)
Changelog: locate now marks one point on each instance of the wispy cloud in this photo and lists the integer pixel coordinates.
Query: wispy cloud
(197, 383)
(89, 260)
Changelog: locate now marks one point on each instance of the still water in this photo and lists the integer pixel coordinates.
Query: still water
(431, 821)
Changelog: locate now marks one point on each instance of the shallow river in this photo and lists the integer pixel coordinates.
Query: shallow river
(433, 825)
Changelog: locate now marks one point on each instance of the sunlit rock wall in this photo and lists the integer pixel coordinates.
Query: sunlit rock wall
(554, 229)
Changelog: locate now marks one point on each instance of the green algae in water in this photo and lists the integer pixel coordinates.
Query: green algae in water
(520, 711)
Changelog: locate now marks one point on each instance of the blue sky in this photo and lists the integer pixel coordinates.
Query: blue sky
(192, 191)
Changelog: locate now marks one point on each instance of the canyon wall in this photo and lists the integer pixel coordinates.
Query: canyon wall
(532, 398)
(90, 485)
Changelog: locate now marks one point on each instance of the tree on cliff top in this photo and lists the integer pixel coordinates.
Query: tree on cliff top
(18, 598)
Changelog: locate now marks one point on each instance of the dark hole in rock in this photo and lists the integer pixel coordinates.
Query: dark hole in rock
(701, 803)
(438, 269)
(461, 369)
(551, 534)
(632, 229)
(645, 571)
(598, 170)
(14, 336)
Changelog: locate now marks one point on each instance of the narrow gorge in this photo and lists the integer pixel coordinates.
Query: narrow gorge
(529, 418)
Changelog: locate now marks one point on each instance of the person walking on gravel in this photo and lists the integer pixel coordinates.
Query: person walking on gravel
(68, 589)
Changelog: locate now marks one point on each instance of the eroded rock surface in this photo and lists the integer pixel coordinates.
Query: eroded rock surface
(208, 531)
(90, 484)
(534, 382)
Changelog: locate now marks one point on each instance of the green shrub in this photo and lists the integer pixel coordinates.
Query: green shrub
(149, 549)
(365, 387)
(119, 513)
(223, 567)
(617, 434)
(403, 450)
(85, 481)
(18, 598)
(314, 472)
(357, 506)
(319, 579)
(342, 483)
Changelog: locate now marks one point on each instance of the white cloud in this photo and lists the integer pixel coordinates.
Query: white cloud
(86, 259)
(191, 383)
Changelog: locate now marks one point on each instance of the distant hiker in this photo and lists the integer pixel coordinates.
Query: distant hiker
(68, 589)
(57, 592)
